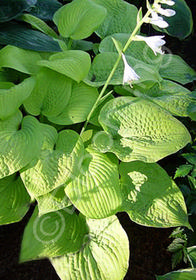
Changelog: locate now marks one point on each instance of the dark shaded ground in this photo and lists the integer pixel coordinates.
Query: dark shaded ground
(147, 245)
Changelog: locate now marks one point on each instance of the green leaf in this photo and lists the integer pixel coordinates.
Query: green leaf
(13, 97)
(190, 157)
(142, 130)
(20, 142)
(102, 66)
(74, 64)
(45, 9)
(183, 15)
(79, 105)
(105, 256)
(20, 36)
(150, 202)
(121, 17)
(59, 161)
(176, 69)
(185, 274)
(39, 25)
(79, 19)
(12, 9)
(14, 200)
(53, 234)
(51, 94)
(21, 60)
(183, 170)
(191, 251)
(137, 49)
(53, 201)
(96, 191)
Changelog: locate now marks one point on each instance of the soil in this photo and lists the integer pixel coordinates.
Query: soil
(148, 246)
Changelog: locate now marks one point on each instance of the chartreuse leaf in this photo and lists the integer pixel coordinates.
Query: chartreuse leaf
(96, 191)
(142, 130)
(11, 9)
(58, 162)
(176, 69)
(14, 200)
(137, 49)
(79, 19)
(39, 25)
(20, 142)
(21, 60)
(53, 234)
(184, 274)
(51, 94)
(191, 251)
(60, 99)
(104, 62)
(13, 97)
(183, 14)
(121, 17)
(17, 34)
(105, 256)
(148, 201)
(53, 201)
(74, 64)
(79, 105)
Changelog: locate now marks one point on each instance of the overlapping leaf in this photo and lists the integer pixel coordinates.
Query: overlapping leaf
(79, 19)
(121, 17)
(19, 59)
(45, 9)
(105, 256)
(151, 202)
(20, 142)
(53, 234)
(13, 97)
(53, 201)
(104, 62)
(184, 274)
(74, 64)
(142, 130)
(96, 190)
(58, 162)
(14, 200)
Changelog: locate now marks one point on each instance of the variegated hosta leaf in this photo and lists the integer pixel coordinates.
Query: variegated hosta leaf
(13, 97)
(53, 234)
(53, 201)
(142, 130)
(96, 191)
(121, 17)
(59, 161)
(184, 274)
(105, 256)
(103, 63)
(24, 61)
(20, 142)
(151, 198)
(14, 200)
(79, 19)
(191, 251)
(74, 64)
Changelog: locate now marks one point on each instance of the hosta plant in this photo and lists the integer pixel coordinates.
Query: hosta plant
(83, 123)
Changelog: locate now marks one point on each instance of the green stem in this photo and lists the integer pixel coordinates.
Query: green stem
(139, 24)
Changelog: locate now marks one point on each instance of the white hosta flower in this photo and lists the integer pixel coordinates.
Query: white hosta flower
(129, 74)
(164, 12)
(167, 2)
(156, 20)
(154, 42)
